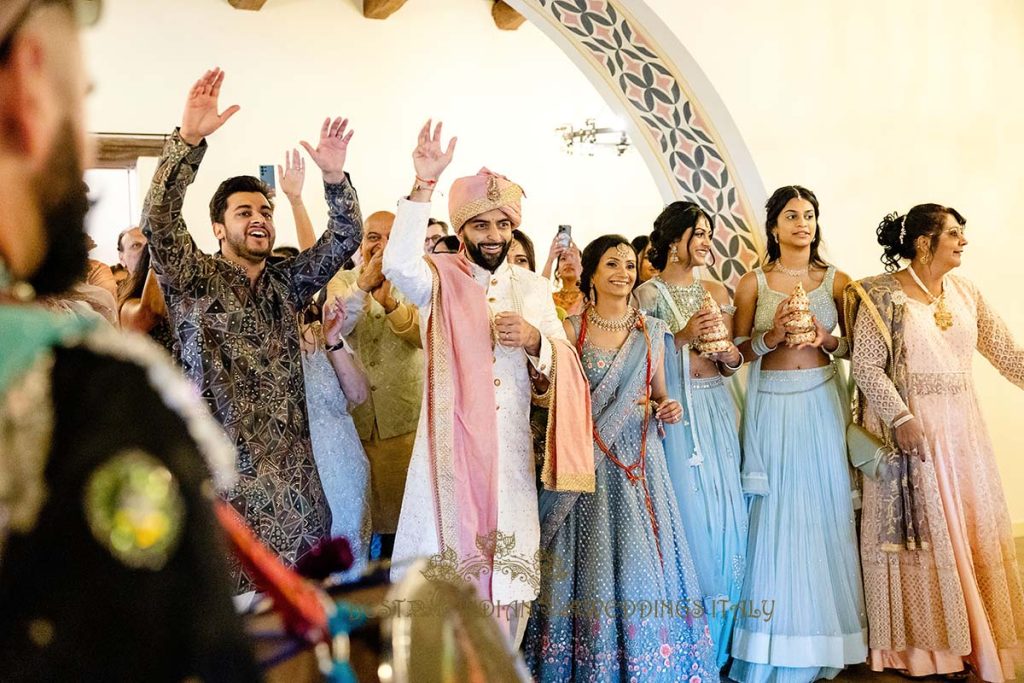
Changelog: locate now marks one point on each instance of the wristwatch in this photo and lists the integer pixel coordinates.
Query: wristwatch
(336, 347)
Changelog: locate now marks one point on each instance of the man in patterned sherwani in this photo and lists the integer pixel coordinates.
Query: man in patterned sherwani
(234, 317)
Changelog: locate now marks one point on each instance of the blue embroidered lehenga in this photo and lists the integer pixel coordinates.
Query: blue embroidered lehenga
(703, 455)
(619, 599)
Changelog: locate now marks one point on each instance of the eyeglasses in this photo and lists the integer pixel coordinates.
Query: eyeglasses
(958, 232)
(12, 18)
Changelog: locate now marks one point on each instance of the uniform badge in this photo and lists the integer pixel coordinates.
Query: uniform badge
(135, 509)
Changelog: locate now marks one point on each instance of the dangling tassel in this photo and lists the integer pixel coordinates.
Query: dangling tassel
(334, 659)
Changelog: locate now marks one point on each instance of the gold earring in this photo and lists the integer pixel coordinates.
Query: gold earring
(593, 294)
(673, 256)
(926, 258)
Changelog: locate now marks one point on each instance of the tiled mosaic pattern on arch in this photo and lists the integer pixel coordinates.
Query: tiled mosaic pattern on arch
(660, 105)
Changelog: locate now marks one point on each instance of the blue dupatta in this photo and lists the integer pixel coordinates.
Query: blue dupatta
(611, 404)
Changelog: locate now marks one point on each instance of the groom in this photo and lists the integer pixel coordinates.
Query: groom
(493, 344)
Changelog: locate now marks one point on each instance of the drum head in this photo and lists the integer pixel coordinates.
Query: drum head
(442, 632)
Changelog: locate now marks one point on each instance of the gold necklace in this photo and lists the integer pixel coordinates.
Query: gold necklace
(624, 323)
(779, 268)
(943, 316)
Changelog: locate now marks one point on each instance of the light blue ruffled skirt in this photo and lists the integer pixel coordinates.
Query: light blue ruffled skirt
(801, 615)
(716, 507)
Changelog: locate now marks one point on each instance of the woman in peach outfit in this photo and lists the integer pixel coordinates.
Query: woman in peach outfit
(940, 571)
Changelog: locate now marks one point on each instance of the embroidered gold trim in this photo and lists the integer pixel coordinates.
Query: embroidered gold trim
(26, 428)
(932, 383)
(510, 194)
(580, 482)
(856, 304)
(439, 424)
(547, 475)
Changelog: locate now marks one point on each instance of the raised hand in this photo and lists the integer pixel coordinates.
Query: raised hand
(201, 118)
(556, 249)
(292, 176)
(428, 159)
(334, 320)
(332, 149)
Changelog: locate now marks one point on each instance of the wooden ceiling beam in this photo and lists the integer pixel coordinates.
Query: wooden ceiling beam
(381, 9)
(122, 150)
(505, 17)
(254, 5)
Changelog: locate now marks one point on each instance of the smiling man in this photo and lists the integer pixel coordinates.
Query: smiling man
(493, 342)
(234, 314)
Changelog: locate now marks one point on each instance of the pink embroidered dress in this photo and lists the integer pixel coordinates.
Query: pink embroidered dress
(958, 597)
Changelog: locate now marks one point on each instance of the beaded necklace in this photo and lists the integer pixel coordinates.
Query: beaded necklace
(624, 323)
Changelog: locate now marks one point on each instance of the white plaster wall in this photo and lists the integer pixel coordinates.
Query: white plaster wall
(297, 61)
(878, 106)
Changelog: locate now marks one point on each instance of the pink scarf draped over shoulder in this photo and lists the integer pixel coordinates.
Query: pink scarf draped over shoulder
(463, 426)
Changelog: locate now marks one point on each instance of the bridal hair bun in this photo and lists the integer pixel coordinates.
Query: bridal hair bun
(899, 235)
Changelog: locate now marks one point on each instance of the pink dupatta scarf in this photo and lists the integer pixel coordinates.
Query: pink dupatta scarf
(462, 419)
(463, 427)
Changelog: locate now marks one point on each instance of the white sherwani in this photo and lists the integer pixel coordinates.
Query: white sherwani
(510, 288)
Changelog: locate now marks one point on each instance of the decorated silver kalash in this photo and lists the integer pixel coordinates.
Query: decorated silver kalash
(424, 629)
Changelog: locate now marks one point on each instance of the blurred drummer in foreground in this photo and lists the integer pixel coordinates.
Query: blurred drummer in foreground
(107, 537)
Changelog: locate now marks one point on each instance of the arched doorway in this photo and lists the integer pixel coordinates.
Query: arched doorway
(675, 118)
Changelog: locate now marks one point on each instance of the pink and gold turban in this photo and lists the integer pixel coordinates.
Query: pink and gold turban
(483, 192)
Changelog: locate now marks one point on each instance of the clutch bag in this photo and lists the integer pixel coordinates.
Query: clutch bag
(867, 452)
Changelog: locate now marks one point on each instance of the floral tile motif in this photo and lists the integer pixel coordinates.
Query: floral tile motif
(687, 144)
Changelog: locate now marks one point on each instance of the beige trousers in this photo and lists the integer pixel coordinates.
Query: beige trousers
(389, 464)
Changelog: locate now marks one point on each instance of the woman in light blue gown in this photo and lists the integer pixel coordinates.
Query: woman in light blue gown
(619, 600)
(802, 612)
(704, 452)
(334, 380)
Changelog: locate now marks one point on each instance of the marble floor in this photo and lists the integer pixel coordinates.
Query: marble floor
(863, 673)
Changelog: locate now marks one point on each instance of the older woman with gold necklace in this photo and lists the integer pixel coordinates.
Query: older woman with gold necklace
(940, 570)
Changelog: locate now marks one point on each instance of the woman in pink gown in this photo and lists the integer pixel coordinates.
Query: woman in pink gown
(941, 578)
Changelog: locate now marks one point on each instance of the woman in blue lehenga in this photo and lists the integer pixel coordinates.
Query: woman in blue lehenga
(619, 600)
(803, 569)
(703, 453)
